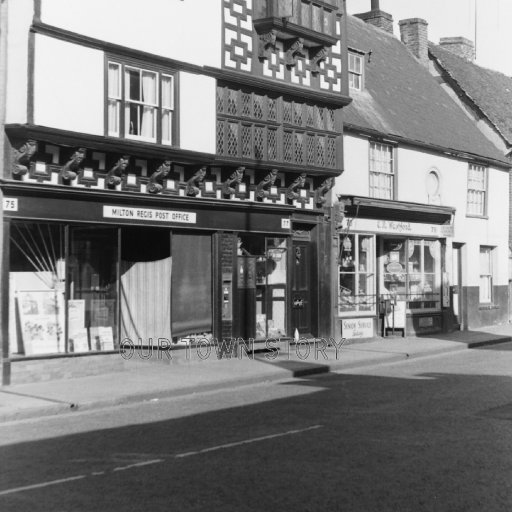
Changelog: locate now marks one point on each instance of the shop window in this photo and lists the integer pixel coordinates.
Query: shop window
(145, 284)
(477, 190)
(262, 281)
(355, 71)
(486, 275)
(411, 272)
(92, 289)
(382, 172)
(36, 289)
(357, 274)
(140, 103)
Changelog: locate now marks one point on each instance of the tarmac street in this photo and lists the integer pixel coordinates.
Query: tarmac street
(417, 434)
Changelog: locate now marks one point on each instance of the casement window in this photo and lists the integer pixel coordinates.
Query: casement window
(356, 274)
(486, 274)
(355, 71)
(382, 172)
(140, 103)
(263, 127)
(477, 190)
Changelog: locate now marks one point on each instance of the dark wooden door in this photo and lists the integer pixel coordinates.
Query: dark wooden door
(301, 288)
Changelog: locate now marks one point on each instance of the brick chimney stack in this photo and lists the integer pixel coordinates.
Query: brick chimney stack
(414, 34)
(460, 46)
(377, 18)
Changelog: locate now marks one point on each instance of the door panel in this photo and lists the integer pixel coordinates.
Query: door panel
(301, 287)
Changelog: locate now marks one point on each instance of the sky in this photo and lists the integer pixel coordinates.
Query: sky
(450, 18)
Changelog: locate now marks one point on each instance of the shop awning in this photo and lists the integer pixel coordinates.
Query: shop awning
(372, 208)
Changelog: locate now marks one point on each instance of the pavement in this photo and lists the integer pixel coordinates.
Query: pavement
(185, 373)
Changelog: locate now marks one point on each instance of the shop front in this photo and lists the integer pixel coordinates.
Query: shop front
(89, 272)
(392, 276)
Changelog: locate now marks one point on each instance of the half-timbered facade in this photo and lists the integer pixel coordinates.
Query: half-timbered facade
(166, 173)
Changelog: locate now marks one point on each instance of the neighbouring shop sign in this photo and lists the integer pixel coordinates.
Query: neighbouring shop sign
(400, 228)
(352, 328)
(123, 212)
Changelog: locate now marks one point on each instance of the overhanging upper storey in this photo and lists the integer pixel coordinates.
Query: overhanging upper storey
(296, 42)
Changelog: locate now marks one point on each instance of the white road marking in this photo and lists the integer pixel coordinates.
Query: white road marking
(246, 441)
(157, 461)
(138, 464)
(42, 484)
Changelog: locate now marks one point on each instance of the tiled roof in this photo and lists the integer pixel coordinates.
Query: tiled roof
(402, 99)
(489, 90)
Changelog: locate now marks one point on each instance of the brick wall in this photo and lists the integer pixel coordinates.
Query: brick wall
(414, 34)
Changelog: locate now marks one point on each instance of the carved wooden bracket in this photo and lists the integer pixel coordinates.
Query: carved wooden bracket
(267, 41)
(236, 178)
(22, 157)
(70, 170)
(294, 51)
(322, 190)
(263, 187)
(115, 175)
(156, 181)
(192, 188)
(292, 190)
(317, 55)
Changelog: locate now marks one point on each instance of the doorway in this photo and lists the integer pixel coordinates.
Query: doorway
(456, 288)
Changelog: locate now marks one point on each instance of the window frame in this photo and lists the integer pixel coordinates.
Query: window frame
(353, 72)
(483, 191)
(393, 170)
(370, 273)
(121, 97)
(489, 275)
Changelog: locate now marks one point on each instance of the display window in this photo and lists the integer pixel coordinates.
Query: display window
(356, 268)
(262, 271)
(410, 270)
(79, 289)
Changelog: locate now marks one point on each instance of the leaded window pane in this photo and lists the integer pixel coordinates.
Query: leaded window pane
(220, 99)
(311, 149)
(310, 115)
(320, 151)
(258, 107)
(272, 144)
(287, 112)
(246, 141)
(297, 114)
(258, 142)
(299, 148)
(232, 141)
(331, 152)
(220, 137)
(272, 109)
(232, 102)
(246, 104)
(287, 146)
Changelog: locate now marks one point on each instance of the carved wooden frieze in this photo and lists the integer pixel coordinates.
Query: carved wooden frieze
(116, 174)
(156, 181)
(317, 56)
(267, 42)
(263, 187)
(292, 192)
(229, 186)
(22, 157)
(193, 184)
(295, 51)
(322, 190)
(70, 170)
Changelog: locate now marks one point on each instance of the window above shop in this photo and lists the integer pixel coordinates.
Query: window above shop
(486, 274)
(382, 171)
(140, 103)
(313, 21)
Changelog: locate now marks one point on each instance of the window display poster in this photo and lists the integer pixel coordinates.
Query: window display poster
(42, 321)
(396, 317)
(102, 338)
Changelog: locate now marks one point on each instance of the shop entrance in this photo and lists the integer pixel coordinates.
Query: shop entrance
(261, 283)
(301, 288)
(456, 284)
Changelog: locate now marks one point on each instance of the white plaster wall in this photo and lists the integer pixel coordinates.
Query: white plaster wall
(19, 14)
(413, 168)
(197, 112)
(354, 180)
(186, 30)
(68, 86)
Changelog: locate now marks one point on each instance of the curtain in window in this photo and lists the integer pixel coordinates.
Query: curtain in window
(191, 284)
(146, 301)
(148, 112)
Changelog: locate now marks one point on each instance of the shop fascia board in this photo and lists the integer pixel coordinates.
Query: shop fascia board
(18, 189)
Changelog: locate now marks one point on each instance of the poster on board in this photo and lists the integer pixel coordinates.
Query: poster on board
(396, 317)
